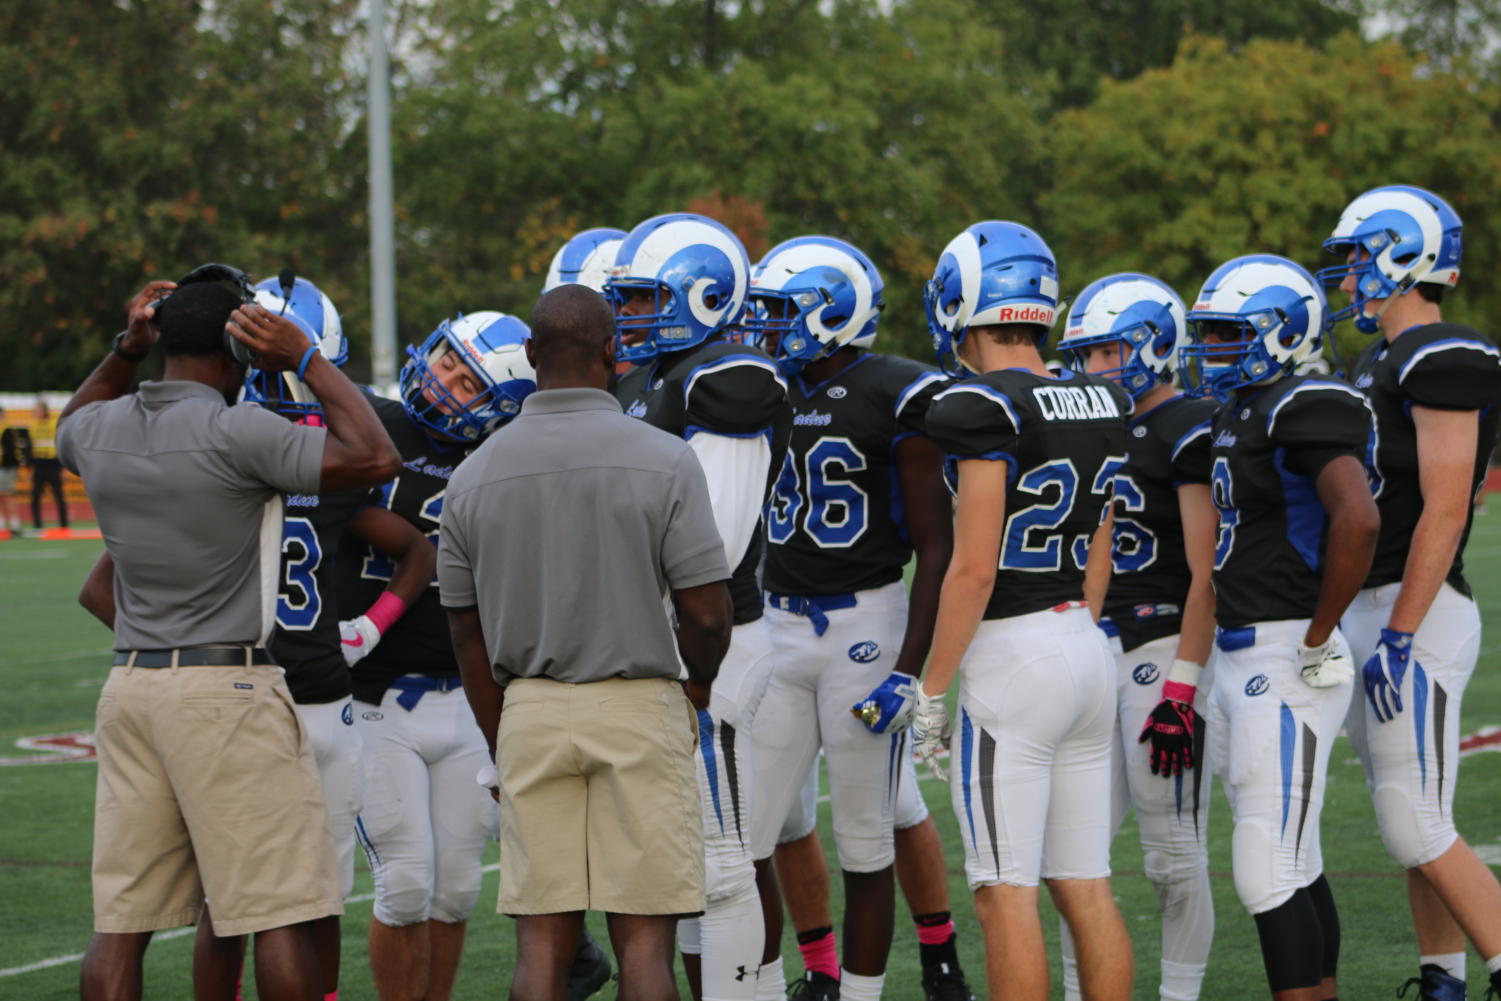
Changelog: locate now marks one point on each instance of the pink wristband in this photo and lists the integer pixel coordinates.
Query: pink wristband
(1178, 691)
(386, 610)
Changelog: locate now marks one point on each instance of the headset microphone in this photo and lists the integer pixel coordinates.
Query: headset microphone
(287, 278)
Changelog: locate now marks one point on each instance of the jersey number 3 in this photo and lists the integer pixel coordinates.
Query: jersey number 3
(298, 604)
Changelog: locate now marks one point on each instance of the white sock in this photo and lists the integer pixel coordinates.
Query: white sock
(1181, 981)
(853, 987)
(1070, 963)
(732, 935)
(1493, 965)
(772, 983)
(1453, 963)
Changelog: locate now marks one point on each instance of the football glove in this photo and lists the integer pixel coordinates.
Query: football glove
(1323, 666)
(890, 705)
(931, 731)
(1384, 673)
(1172, 725)
(357, 637)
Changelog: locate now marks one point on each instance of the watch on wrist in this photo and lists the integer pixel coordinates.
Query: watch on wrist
(134, 357)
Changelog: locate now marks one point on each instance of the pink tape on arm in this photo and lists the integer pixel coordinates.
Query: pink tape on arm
(386, 610)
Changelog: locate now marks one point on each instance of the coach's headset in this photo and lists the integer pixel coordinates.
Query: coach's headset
(241, 284)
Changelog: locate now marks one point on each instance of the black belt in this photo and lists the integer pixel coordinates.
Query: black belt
(212, 656)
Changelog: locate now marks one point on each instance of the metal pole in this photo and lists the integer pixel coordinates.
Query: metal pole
(382, 215)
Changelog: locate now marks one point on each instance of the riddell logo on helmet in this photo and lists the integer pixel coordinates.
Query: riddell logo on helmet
(1026, 314)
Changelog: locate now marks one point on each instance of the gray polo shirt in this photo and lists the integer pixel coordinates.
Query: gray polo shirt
(187, 491)
(566, 529)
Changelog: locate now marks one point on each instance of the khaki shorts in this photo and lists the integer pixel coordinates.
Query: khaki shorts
(207, 790)
(599, 799)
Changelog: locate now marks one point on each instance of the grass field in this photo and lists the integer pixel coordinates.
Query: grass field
(52, 662)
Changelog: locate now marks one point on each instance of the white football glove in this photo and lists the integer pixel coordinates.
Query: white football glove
(931, 731)
(357, 637)
(1324, 666)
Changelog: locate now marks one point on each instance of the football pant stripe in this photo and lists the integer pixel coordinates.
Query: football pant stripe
(966, 754)
(1420, 721)
(731, 775)
(987, 792)
(1310, 759)
(1289, 739)
(711, 767)
(1440, 710)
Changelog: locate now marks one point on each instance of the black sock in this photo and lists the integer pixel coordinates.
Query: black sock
(944, 954)
(1323, 903)
(1292, 944)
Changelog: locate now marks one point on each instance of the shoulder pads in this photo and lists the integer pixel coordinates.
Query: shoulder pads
(734, 393)
(1321, 412)
(1448, 366)
(972, 419)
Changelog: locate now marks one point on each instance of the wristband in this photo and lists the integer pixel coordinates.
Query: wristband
(134, 357)
(386, 610)
(1182, 681)
(307, 356)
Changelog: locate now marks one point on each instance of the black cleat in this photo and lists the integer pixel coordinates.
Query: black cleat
(1435, 985)
(590, 970)
(814, 987)
(943, 984)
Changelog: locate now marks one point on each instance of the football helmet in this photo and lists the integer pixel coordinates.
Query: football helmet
(992, 273)
(492, 344)
(312, 312)
(816, 294)
(1278, 310)
(585, 260)
(695, 271)
(1142, 315)
(1405, 234)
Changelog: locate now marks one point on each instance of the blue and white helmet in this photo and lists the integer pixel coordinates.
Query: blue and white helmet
(1141, 314)
(1410, 236)
(585, 260)
(492, 344)
(817, 294)
(698, 272)
(314, 314)
(992, 273)
(1279, 311)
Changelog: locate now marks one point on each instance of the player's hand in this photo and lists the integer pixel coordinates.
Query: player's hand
(141, 332)
(890, 705)
(1323, 666)
(1171, 727)
(1384, 673)
(931, 731)
(357, 637)
(277, 342)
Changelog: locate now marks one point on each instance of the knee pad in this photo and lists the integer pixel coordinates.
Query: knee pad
(403, 894)
(1413, 836)
(803, 816)
(455, 903)
(1258, 879)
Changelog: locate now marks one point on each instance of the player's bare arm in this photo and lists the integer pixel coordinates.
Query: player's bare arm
(1446, 464)
(978, 518)
(920, 470)
(114, 376)
(1350, 545)
(1200, 526)
(415, 557)
(357, 451)
(98, 594)
(1097, 565)
(704, 618)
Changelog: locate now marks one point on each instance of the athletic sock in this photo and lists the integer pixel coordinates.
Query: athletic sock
(935, 940)
(1181, 981)
(332, 995)
(1452, 963)
(853, 987)
(771, 983)
(819, 952)
(1292, 943)
(1493, 967)
(1323, 905)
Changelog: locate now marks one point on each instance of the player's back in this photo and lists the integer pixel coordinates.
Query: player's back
(1063, 439)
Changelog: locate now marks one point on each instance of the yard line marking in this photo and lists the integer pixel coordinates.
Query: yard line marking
(38, 554)
(162, 936)
(79, 655)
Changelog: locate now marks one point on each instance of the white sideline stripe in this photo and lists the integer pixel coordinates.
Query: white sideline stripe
(162, 936)
(38, 554)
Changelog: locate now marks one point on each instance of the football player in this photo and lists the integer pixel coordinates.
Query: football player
(1297, 527)
(306, 640)
(1159, 609)
(679, 287)
(859, 491)
(586, 259)
(1034, 457)
(425, 820)
(1434, 388)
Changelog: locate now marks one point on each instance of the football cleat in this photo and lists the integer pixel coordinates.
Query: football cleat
(1435, 984)
(493, 346)
(590, 970)
(943, 984)
(814, 987)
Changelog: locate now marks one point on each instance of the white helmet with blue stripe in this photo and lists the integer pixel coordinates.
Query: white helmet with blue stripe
(312, 312)
(1267, 316)
(493, 345)
(816, 294)
(1142, 315)
(585, 260)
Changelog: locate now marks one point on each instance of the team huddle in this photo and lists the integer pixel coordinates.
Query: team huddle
(1185, 554)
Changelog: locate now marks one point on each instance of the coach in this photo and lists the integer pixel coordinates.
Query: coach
(207, 788)
(561, 538)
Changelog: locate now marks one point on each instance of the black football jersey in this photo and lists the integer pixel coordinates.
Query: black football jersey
(306, 639)
(836, 522)
(418, 643)
(1268, 448)
(720, 388)
(1064, 440)
(1440, 365)
(1168, 446)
